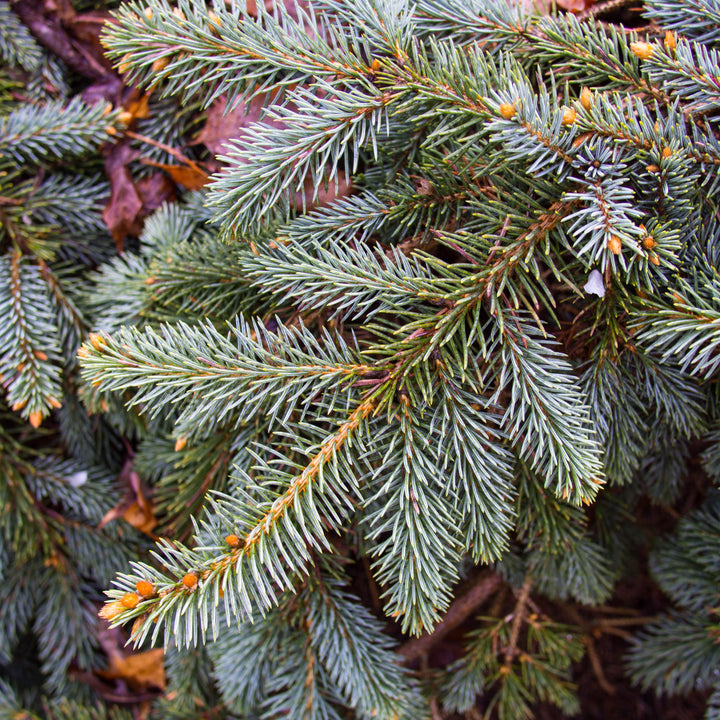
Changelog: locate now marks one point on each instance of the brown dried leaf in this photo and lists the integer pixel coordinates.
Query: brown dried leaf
(141, 670)
(121, 214)
(221, 126)
(154, 190)
(325, 195)
(191, 178)
(139, 108)
(135, 507)
(85, 29)
(141, 518)
(576, 6)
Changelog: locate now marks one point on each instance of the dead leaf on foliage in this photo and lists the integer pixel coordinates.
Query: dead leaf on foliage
(121, 214)
(107, 90)
(191, 178)
(325, 195)
(86, 29)
(154, 190)
(139, 108)
(135, 508)
(221, 126)
(576, 6)
(140, 671)
(141, 518)
(62, 9)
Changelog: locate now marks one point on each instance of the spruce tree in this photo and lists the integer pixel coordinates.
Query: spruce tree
(447, 390)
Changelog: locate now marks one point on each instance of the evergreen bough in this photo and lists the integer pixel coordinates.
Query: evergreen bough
(489, 353)
(57, 474)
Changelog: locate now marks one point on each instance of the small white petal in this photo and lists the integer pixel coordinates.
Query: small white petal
(595, 284)
(77, 479)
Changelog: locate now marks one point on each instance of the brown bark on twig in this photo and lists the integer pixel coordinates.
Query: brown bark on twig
(459, 611)
(517, 619)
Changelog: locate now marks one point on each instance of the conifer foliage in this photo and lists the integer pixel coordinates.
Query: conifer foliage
(58, 468)
(494, 343)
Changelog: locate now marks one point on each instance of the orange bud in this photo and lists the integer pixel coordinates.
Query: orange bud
(190, 580)
(649, 242)
(508, 111)
(19, 405)
(670, 41)
(376, 65)
(150, 280)
(614, 245)
(652, 168)
(110, 130)
(108, 109)
(178, 13)
(233, 541)
(96, 340)
(654, 259)
(130, 600)
(642, 50)
(148, 12)
(35, 418)
(569, 116)
(54, 403)
(586, 98)
(213, 18)
(144, 588)
(180, 443)
(666, 152)
(109, 611)
(125, 117)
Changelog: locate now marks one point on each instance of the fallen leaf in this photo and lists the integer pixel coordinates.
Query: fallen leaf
(222, 125)
(141, 670)
(86, 29)
(107, 90)
(139, 108)
(141, 518)
(191, 178)
(135, 508)
(575, 6)
(121, 214)
(62, 9)
(325, 195)
(154, 190)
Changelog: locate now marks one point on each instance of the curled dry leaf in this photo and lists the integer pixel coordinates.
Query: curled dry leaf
(191, 178)
(325, 195)
(135, 508)
(222, 125)
(121, 214)
(141, 671)
(576, 6)
(154, 190)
